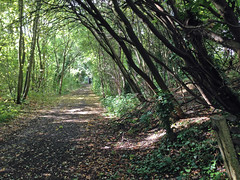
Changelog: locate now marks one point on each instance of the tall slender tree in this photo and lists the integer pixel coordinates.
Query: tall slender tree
(32, 50)
(21, 52)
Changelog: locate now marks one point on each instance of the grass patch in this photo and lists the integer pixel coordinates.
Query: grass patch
(9, 110)
(41, 100)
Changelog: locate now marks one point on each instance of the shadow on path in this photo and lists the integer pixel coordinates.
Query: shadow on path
(67, 142)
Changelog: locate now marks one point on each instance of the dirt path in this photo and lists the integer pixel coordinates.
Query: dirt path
(69, 142)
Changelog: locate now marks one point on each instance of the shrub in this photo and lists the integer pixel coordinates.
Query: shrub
(8, 110)
(120, 104)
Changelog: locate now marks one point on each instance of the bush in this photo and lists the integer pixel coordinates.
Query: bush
(119, 105)
(8, 110)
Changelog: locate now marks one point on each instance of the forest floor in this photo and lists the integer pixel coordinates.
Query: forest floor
(72, 141)
(66, 142)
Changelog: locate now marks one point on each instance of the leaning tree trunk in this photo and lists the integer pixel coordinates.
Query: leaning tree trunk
(209, 79)
(199, 67)
(120, 41)
(147, 59)
(141, 49)
(135, 88)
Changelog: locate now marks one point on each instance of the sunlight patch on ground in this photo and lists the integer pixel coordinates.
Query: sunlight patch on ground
(145, 143)
(186, 122)
(73, 98)
(82, 111)
(87, 112)
(75, 110)
(47, 111)
(92, 95)
(71, 121)
(106, 147)
(48, 116)
(153, 137)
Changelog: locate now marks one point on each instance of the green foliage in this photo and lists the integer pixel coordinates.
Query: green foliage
(164, 107)
(145, 119)
(148, 115)
(8, 110)
(164, 110)
(71, 83)
(120, 104)
(191, 155)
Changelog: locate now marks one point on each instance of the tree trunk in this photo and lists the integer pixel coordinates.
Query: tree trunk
(117, 60)
(63, 67)
(141, 49)
(33, 44)
(61, 78)
(226, 147)
(229, 16)
(147, 59)
(207, 77)
(41, 64)
(62, 75)
(199, 66)
(121, 43)
(21, 53)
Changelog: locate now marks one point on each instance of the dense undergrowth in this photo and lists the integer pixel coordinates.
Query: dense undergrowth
(193, 154)
(8, 110)
(120, 104)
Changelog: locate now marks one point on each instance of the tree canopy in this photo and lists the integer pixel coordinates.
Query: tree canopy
(171, 53)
